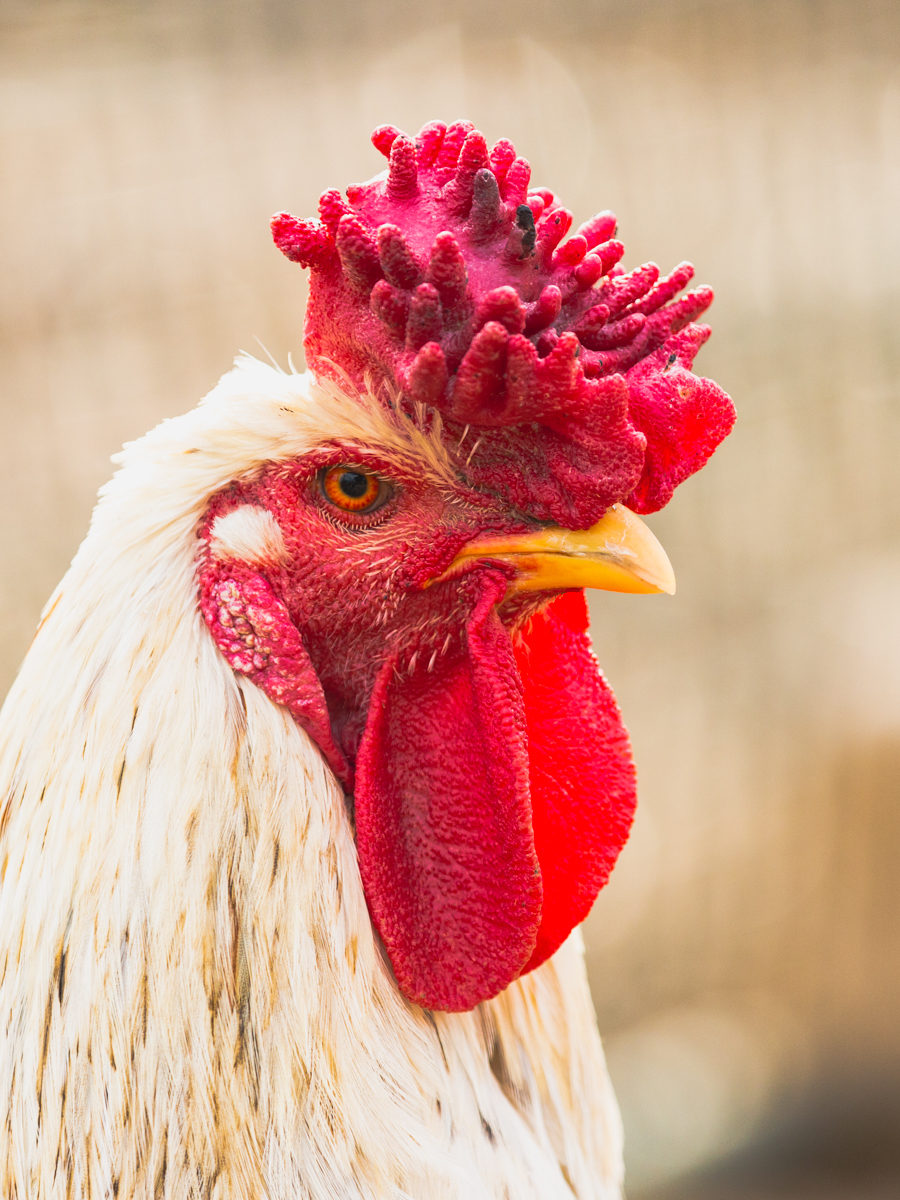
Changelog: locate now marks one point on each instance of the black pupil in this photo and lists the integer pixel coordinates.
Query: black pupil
(353, 484)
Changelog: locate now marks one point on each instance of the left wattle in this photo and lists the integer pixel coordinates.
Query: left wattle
(443, 820)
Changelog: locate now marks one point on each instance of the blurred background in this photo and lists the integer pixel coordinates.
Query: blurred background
(745, 960)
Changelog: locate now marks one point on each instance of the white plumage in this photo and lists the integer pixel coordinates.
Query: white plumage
(193, 1003)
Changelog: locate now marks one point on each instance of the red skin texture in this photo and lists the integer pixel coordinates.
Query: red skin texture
(492, 784)
(429, 286)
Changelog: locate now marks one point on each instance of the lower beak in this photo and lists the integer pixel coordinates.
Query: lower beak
(618, 554)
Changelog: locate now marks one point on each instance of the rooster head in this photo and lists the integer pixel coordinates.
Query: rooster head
(411, 589)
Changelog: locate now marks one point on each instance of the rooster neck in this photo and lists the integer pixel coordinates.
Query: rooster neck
(192, 1000)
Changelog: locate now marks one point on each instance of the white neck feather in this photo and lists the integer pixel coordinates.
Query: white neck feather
(192, 1001)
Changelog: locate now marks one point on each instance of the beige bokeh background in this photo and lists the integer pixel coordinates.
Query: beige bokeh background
(746, 958)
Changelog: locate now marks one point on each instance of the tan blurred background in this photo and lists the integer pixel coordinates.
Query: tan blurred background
(746, 958)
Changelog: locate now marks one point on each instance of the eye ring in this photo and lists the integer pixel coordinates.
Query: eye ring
(353, 490)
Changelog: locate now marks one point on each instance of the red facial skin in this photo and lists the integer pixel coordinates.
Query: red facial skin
(414, 695)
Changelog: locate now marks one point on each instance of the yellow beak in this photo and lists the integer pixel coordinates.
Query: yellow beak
(618, 554)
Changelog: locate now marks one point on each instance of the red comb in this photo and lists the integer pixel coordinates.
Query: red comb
(448, 280)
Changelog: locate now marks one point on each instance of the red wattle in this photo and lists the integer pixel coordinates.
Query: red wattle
(443, 820)
(581, 771)
(493, 795)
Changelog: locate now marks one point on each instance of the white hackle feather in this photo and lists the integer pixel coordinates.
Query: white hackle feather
(192, 1000)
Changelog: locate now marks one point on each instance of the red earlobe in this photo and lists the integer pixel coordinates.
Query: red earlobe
(253, 630)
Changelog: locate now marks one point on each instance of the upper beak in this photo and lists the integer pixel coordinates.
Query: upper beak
(618, 554)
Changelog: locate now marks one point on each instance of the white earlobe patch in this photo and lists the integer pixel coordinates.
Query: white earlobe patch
(249, 534)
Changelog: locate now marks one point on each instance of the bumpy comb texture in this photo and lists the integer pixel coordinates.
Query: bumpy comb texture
(563, 381)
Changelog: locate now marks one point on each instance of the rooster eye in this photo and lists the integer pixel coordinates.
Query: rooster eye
(354, 490)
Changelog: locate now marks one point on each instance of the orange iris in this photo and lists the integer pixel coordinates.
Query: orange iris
(351, 489)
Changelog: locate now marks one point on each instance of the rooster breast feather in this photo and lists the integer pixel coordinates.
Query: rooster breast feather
(193, 1002)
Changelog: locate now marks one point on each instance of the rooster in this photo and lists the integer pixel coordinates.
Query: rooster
(310, 776)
